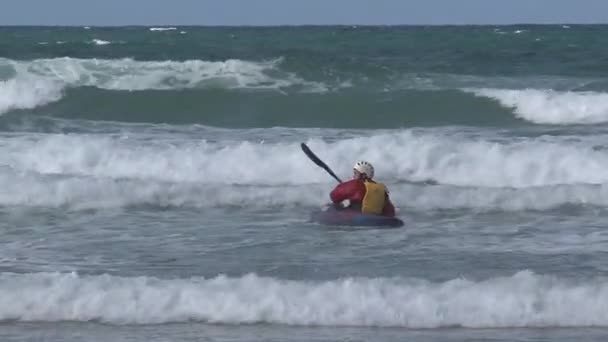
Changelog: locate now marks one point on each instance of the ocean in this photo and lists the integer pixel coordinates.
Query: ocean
(152, 185)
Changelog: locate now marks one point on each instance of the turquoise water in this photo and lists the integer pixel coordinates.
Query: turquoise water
(153, 186)
(369, 77)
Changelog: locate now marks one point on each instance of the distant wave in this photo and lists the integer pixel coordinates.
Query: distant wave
(552, 107)
(101, 42)
(408, 100)
(43, 81)
(162, 28)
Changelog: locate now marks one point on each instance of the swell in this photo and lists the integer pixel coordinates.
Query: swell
(264, 93)
(242, 109)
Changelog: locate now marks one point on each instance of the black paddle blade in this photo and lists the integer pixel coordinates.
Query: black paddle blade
(312, 156)
(318, 161)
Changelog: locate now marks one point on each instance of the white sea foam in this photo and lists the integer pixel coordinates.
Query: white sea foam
(26, 92)
(78, 193)
(101, 42)
(162, 28)
(30, 85)
(522, 300)
(406, 155)
(97, 171)
(552, 107)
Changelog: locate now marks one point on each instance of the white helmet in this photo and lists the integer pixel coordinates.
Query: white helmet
(364, 168)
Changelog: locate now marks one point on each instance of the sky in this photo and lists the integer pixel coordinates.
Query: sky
(300, 12)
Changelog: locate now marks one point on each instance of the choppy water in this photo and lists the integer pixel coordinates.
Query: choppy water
(152, 186)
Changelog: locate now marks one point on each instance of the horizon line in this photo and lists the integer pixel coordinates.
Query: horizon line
(300, 25)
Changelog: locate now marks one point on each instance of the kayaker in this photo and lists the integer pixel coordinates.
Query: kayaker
(363, 193)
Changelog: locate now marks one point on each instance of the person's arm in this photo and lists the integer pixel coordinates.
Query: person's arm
(341, 192)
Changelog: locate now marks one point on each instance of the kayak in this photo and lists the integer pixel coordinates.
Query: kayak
(338, 216)
(350, 217)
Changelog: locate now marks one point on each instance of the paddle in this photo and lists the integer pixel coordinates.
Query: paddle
(318, 161)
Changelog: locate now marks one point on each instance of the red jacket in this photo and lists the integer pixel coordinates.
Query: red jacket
(354, 191)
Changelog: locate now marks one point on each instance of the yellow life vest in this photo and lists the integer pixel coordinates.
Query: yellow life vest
(375, 196)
